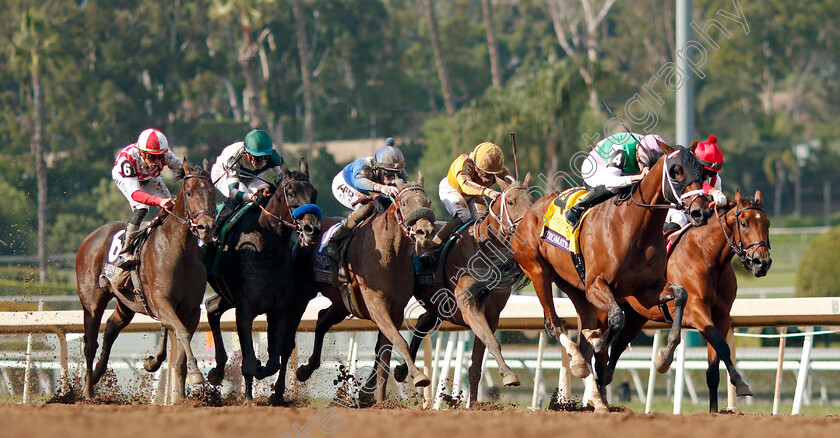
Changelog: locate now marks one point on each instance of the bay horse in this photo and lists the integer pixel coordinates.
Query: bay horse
(172, 276)
(624, 253)
(381, 274)
(701, 262)
(479, 275)
(256, 277)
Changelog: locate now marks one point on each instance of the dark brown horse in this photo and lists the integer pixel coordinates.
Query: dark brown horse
(171, 272)
(624, 253)
(257, 278)
(379, 259)
(479, 275)
(701, 262)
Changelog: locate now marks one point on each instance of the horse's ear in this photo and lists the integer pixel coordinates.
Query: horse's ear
(664, 146)
(758, 200)
(285, 170)
(738, 198)
(304, 167)
(502, 183)
(420, 178)
(694, 144)
(185, 165)
(206, 165)
(528, 180)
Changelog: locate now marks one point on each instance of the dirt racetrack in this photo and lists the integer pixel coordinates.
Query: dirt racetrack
(35, 421)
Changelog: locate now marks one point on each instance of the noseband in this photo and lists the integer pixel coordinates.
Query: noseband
(742, 250)
(294, 223)
(191, 217)
(504, 213)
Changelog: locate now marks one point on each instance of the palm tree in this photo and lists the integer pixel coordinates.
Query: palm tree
(29, 49)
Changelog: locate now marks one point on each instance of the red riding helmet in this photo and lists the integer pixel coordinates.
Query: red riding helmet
(709, 154)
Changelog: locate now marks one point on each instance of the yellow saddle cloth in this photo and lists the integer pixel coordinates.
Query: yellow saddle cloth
(557, 230)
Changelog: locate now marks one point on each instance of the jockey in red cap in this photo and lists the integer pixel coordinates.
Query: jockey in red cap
(711, 157)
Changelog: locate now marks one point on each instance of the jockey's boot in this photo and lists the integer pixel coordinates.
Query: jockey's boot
(227, 210)
(347, 225)
(428, 258)
(594, 197)
(126, 257)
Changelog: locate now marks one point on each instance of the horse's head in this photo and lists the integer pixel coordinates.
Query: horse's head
(412, 208)
(513, 204)
(198, 197)
(682, 183)
(293, 203)
(751, 233)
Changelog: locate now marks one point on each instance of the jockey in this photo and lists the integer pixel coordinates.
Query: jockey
(616, 162)
(470, 177)
(238, 171)
(377, 174)
(711, 157)
(136, 172)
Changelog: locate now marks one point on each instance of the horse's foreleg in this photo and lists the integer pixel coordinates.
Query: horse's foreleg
(183, 331)
(273, 331)
(719, 350)
(679, 295)
(541, 275)
(250, 363)
(214, 318)
(116, 322)
(290, 323)
(425, 323)
(485, 332)
(179, 370)
(153, 363)
(601, 295)
(93, 319)
(713, 378)
(388, 326)
(632, 328)
(326, 319)
(476, 367)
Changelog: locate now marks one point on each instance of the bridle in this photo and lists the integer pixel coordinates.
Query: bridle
(294, 223)
(503, 218)
(742, 250)
(190, 220)
(398, 214)
(669, 190)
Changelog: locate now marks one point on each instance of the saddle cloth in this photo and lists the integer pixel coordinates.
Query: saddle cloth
(213, 257)
(557, 230)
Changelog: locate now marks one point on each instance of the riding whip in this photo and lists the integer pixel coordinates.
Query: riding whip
(515, 159)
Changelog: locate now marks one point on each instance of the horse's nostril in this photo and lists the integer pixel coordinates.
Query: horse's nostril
(421, 233)
(308, 229)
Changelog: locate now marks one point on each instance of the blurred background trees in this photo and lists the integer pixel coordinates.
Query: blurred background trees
(313, 71)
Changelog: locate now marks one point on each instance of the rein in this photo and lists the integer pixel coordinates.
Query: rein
(669, 191)
(294, 223)
(741, 250)
(504, 214)
(191, 217)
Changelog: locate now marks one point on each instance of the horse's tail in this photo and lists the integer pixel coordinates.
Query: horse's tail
(503, 272)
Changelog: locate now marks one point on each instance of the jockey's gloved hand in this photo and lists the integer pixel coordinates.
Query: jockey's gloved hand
(719, 198)
(387, 190)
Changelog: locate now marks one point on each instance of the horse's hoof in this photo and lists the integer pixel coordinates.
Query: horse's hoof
(579, 369)
(743, 389)
(602, 410)
(263, 372)
(304, 372)
(661, 363)
(276, 400)
(510, 380)
(401, 372)
(215, 376)
(196, 378)
(150, 364)
(420, 380)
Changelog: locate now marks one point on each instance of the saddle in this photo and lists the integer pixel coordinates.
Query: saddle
(557, 230)
(427, 276)
(125, 280)
(326, 270)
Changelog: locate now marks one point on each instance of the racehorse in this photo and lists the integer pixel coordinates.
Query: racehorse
(172, 276)
(479, 275)
(701, 262)
(379, 262)
(624, 253)
(256, 277)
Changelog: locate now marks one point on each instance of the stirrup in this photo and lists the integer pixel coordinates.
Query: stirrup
(125, 261)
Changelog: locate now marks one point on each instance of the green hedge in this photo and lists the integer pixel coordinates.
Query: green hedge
(819, 269)
(23, 288)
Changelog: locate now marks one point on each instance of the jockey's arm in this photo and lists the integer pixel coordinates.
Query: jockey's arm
(612, 179)
(173, 162)
(468, 186)
(363, 181)
(715, 191)
(506, 176)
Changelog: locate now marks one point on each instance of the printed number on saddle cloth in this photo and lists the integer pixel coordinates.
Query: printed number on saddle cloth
(116, 246)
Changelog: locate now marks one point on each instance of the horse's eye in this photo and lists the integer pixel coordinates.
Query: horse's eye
(509, 202)
(188, 192)
(402, 203)
(744, 224)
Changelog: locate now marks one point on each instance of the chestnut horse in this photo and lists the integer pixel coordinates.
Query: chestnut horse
(479, 275)
(379, 261)
(257, 278)
(701, 262)
(624, 253)
(172, 276)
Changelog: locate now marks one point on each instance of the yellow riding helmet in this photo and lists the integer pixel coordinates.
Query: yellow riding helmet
(489, 157)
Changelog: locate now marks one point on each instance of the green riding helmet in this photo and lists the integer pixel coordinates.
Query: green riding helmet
(258, 143)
